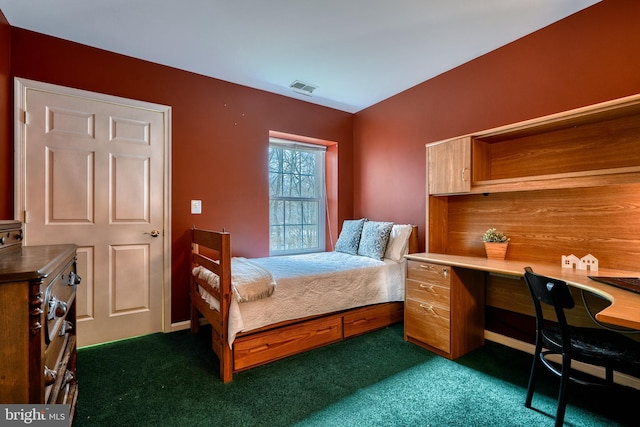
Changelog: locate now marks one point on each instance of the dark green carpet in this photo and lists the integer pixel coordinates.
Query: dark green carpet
(372, 380)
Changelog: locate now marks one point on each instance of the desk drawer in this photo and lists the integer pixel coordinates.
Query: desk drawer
(429, 324)
(428, 292)
(429, 273)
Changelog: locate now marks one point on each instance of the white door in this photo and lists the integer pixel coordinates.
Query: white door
(91, 170)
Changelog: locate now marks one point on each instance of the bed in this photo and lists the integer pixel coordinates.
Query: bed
(265, 309)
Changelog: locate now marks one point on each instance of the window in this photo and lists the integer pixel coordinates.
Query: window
(296, 197)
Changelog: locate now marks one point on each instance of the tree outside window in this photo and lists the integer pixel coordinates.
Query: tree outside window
(296, 192)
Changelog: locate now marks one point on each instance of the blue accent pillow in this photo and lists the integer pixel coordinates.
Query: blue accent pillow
(350, 236)
(374, 238)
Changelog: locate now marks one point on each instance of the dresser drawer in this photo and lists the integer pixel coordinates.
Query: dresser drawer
(429, 293)
(61, 368)
(58, 297)
(429, 273)
(427, 323)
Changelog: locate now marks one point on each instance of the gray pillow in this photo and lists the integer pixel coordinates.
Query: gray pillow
(350, 236)
(374, 238)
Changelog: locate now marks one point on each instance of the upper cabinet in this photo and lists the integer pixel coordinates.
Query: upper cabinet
(585, 147)
(449, 166)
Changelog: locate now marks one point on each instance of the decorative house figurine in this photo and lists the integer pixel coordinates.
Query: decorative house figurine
(587, 262)
(570, 261)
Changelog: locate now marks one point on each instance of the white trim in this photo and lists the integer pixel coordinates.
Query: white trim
(291, 144)
(180, 326)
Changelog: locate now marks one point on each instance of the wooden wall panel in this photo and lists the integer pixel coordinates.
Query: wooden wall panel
(544, 225)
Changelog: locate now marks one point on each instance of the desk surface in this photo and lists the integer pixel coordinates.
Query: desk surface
(625, 305)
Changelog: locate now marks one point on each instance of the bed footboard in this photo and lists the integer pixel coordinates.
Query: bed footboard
(212, 250)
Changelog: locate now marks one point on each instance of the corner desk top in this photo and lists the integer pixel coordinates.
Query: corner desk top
(625, 305)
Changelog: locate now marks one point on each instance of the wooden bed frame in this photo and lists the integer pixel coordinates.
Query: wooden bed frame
(273, 342)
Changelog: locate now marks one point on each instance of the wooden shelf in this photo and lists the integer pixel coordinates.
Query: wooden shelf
(556, 185)
(591, 178)
(590, 146)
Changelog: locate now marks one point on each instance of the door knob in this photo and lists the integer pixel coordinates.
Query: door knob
(154, 233)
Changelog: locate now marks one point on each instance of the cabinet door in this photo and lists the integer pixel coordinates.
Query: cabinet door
(449, 166)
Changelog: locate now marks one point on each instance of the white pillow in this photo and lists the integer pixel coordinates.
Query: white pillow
(398, 242)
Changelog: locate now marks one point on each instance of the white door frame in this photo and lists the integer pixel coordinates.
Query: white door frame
(20, 87)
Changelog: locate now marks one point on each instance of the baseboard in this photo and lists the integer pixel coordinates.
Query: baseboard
(185, 324)
(180, 326)
(618, 378)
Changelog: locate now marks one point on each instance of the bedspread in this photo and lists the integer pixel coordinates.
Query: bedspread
(314, 284)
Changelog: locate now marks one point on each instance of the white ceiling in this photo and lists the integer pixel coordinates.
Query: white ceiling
(358, 52)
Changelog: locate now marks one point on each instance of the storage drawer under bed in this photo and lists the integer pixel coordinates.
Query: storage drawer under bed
(266, 346)
(372, 317)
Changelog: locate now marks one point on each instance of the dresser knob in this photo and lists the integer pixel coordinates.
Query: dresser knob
(57, 308)
(50, 376)
(53, 303)
(61, 309)
(68, 377)
(66, 327)
(73, 279)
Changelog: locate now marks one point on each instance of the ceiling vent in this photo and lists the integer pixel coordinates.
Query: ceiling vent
(303, 88)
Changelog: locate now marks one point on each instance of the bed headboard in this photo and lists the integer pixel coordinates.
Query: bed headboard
(220, 241)
(414, 243)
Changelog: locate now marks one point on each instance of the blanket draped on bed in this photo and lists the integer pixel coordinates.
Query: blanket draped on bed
(250, 282)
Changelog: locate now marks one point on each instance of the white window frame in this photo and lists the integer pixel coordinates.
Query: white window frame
(320, 199)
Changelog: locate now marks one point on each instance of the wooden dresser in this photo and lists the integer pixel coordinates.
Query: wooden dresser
(37, 320)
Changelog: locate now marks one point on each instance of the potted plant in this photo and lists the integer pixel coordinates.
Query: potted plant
(495, 244)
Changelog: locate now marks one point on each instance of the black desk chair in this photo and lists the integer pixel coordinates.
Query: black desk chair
(600, 347)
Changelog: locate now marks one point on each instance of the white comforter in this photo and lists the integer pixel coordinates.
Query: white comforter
(313, 284)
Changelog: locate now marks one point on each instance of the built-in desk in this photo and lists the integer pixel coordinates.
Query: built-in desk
(462, 271)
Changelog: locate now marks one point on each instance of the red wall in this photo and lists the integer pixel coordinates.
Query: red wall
(220, 137)
(589, 57)
(6, 146)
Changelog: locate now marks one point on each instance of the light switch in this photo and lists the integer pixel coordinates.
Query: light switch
(196, 206)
